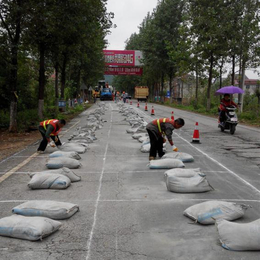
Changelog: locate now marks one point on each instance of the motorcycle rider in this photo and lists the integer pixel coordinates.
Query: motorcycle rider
(225, 102)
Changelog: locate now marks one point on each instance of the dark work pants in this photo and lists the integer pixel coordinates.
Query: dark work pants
(44, 141)
(156, 144)
(222, 115)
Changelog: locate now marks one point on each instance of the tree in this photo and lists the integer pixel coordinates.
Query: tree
(11, 15)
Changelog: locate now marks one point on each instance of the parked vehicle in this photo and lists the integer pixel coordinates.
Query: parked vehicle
(141, 93)
(106, 94)
(230, 121)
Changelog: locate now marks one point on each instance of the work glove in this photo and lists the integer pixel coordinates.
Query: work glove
(56, 139)
(174, 148)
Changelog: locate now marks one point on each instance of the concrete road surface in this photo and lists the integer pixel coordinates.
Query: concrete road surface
(126, 211)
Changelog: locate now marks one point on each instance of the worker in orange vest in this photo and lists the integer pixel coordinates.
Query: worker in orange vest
(49, 130)
(157, 130)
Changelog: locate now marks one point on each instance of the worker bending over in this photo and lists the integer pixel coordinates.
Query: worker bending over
(157, 130)
(50, 129)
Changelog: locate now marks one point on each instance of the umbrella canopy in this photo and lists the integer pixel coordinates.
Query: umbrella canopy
(229, 90)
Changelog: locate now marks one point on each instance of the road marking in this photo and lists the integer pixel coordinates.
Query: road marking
(221, 165)
(20, 165)
(16, 168)
(143, 200)
(99, 192)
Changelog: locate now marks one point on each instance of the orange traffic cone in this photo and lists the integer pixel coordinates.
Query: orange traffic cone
(137, 104)
(196, 135)
(130, 102)
(152, 111)
(172, 117)
(145, 108)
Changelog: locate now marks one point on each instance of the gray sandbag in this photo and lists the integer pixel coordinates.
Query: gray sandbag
(185, 173)
(29, 228)
(49, 181)
(145, 148)
(184, 157)
(46, 208)
(138, 135)
(166, 164)
(194, 184)
(73, 146)
(73, 155)
(207, 212)
(64, 171)
(59, 162)
(239, 236)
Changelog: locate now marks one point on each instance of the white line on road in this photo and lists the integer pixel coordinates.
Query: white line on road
(19, 166)
(99, 193)
(221, 165)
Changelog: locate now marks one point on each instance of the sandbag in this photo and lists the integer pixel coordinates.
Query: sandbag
(49, 181)
(239, 236)
(207, 212)
(145, 148)
(166, 164)
(185, 173)
(59, 162)
(144, 139)
(29, 228)
(138, 135)
(196, 183)
(184, 157)
(64, 171)
(46, 208)
(73, 146)
(73, 155)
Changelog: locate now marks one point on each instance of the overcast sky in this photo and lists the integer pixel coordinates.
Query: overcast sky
(129, 14)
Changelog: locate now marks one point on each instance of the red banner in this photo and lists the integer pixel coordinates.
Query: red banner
(119, 58)
(123, 71)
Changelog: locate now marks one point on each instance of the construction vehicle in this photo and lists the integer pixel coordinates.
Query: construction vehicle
(105, 91)
(141, 93)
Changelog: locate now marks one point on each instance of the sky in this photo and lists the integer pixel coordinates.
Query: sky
(129, 14)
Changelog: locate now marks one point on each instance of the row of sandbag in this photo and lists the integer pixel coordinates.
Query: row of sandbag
(34, 220)
(233, 236)
(67, 157)
(86, 133)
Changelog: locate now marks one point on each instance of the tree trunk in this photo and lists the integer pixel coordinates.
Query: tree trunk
(242, 86)
(170, 82)
(209, 82)
(233, 71)
(14, 67)
(41, 81)
(63, 75)
(56, 84)
(197, 87)
(162, 87)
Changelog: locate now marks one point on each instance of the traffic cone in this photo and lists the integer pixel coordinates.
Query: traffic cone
(196, 135)
(137, 104)
(130, 102)
(145, 108)
(152, 111)
(172, 117)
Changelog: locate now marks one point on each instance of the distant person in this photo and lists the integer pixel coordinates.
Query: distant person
(225, 102)
(124, 97)
(159, 128)
(50, 129)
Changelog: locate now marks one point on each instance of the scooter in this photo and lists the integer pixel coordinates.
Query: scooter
(230, 122)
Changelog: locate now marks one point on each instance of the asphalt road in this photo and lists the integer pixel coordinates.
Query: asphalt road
(126, 211)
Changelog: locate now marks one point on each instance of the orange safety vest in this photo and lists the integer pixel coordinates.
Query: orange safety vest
(162, 120)
(51, 122)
